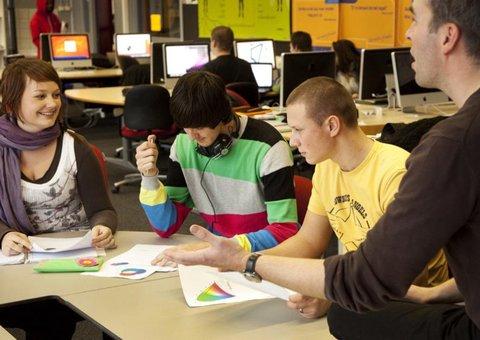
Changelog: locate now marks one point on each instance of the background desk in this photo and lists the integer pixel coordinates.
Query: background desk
(90, 75)
(98, 95)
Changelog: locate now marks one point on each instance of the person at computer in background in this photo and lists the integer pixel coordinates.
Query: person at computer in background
(236, 171)
(50, 179)
(224, 64)
(44, 21)
(300, 42)
(347, 61)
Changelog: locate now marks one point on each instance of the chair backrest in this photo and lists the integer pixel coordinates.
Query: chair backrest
(101, 160)
(236, 100)
(126, 62)
(136, 75)
(249, 91)
(303, 190)
(147, 107)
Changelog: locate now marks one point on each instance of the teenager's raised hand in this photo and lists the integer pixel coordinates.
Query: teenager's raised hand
(146, 156)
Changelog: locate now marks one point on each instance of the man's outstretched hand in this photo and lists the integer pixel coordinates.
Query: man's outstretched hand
(223, 253)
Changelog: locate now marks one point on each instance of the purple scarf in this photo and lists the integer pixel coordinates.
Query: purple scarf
(13, 140)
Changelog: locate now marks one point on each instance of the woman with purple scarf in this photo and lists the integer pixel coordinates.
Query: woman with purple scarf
(50, 179)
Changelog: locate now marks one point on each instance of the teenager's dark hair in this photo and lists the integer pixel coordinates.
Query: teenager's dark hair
(223, 36)
(199, 100)
(348, 57)
(465, 14)
(301, 41)
(14, 80)
(323, 97)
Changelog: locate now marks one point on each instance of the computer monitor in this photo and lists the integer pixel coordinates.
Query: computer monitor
(374, 65)
(298, 67)
(263, 75)
(181, 58)
(70, 50)
(156, 64)
(135, 45)
(408, 92)
(45, 47)
(256, 51)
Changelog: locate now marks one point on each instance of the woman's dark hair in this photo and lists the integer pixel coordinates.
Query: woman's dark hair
(348, 57)
(14, 80)
(199, 100)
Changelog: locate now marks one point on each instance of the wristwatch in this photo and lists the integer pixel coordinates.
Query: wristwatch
(249, 271)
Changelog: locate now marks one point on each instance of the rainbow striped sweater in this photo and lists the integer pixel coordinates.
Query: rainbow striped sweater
(247, 194)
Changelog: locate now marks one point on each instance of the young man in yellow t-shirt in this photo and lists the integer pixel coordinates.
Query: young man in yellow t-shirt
(355, 180)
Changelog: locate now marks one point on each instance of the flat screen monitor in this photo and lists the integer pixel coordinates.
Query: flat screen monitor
(374, 65)
(156, 64)
(135, 45)
(181, 58)
(70, 50)
(256, 51)
(408, 92)
(298, 67)
(45, 47)
(263, 74)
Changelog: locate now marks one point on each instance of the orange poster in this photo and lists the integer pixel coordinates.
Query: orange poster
(368, 23)
(404, 19)
(319, 18)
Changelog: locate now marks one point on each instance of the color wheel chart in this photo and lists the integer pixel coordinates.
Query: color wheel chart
(213, 293)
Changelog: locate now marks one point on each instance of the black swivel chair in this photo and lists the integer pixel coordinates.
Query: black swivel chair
(146, 111)
(249, 91)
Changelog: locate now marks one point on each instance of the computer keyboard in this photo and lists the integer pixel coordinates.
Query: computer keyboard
(79, 68)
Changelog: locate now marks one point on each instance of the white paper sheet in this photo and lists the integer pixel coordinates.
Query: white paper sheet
(265, 286)
(134, 264)
(15, 259)
(203, 288)
(46, 248)
(55, 245)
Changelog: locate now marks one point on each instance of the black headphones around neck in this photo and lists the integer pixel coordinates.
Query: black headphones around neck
(221, 146)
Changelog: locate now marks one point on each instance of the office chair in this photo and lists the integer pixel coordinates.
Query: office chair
(303, 190)
(235, 99)
(136, 75)
(146, 111)
(126, 62)
(247, 90)
(101, 161)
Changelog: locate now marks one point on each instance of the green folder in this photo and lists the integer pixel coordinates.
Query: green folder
(87, 264)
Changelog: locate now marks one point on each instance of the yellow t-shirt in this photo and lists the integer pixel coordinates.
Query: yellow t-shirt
(353, 201)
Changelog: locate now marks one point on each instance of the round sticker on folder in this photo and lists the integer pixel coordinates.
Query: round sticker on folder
(87, 261)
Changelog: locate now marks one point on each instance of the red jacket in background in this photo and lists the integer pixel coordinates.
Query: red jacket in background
(43, 22)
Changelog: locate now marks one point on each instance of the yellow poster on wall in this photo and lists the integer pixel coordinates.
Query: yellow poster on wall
(404, 19)
(368, 23)
(247, 18)
(319, 18)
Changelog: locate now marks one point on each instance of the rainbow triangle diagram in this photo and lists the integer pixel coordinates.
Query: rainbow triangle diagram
(213, 293)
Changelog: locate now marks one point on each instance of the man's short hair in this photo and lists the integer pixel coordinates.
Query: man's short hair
(465, 14)
(301, 41)
(199, 100)
(223, 37)
(323, 97)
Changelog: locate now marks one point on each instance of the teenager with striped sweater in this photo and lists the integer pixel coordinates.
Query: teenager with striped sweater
(236, 171)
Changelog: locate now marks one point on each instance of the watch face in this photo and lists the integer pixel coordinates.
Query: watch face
(254, 277)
